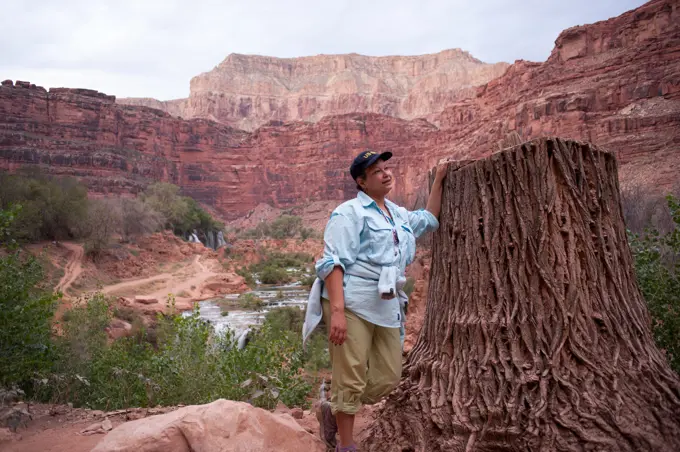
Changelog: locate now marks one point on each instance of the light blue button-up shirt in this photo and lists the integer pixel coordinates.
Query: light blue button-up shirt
(359, 235)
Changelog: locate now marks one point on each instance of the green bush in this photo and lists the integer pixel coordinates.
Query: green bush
(274, 275)
(182, 214)
(247, 275)
(273, 267)
(26, 311)
(657, 265)
(308, 280)
(52, 208)
(189, 365)
(250, 302)
(409, 286)
(284, 227)
(291, 319)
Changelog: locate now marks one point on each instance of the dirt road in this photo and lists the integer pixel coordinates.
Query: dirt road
(74, 266)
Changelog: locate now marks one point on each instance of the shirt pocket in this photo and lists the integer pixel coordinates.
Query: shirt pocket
(381, 239)
(407, 242)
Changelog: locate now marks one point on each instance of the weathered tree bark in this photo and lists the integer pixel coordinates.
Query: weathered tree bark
(536, 336)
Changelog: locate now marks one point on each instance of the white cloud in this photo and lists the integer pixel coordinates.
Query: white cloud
(152, 48)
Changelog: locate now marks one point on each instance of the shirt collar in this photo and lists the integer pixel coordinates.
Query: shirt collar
(365, 199)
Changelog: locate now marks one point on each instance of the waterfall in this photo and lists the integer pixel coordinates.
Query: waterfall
(220, 240)
(243, 339)
(193, 238)
(210, 239)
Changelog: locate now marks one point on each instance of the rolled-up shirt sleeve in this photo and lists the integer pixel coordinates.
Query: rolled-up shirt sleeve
(422, 221)
(341, 244)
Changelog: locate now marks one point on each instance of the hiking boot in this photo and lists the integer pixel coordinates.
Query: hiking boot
(328, 427)
(352, 448)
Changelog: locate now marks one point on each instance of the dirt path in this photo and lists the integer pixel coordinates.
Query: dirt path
(186, 281)
(74, 266)
(135, 283)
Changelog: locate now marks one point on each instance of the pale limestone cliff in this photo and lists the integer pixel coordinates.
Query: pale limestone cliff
(246, 91)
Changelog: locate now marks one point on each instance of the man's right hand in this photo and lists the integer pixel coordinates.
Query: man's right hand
(338, 328)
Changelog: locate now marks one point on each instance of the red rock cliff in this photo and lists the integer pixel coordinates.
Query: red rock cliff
(615, 83)
(247, 91)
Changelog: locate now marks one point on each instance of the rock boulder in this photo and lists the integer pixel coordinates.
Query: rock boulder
(222, 425)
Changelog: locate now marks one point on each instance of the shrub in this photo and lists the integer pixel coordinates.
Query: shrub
(26, 311)
(409, 286)
(657, 265)
(308, 280)
(139, 218)
(26, 314)
(274, 275)
(52, 208)
(190, 365)
(104, 218)
(247, 275)
(181, 213)
(291, 319)
(283, 227)
(250, 302)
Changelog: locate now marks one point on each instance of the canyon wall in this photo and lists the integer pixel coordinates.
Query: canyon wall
(615, 83)
(247, 91)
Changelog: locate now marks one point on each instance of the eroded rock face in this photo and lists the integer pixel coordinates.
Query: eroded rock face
(220, 425)
(247, 91)
(615, 83)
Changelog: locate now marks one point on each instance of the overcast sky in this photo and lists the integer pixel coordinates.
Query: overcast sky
(152, 48)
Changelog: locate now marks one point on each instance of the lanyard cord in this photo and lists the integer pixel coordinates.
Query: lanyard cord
(395, 236)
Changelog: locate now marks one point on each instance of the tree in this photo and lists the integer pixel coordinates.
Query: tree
(104, 218)
(139, 218)
(165, 198)
(536, 336)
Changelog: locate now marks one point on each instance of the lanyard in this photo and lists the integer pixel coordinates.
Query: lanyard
(395, 236)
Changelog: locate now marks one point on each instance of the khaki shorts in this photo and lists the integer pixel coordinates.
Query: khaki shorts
(366, 367)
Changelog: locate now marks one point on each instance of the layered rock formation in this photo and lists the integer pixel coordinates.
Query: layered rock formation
(615, 83)
(247, 91)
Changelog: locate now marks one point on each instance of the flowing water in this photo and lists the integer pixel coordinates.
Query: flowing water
(241, 321)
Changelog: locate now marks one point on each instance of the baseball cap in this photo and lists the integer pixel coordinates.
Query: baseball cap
(366, 159)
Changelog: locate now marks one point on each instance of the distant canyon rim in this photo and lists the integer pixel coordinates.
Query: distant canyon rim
(281, 132)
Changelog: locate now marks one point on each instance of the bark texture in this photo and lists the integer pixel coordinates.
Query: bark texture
(536, 336)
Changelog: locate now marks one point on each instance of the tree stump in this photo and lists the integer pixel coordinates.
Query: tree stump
(536, 336)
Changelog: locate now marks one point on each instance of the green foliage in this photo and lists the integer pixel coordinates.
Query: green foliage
(26, 311)
(165, 198)
(138, 218)
(308, 233)
(197, 218)
(308, 280)
(182, 214)
(189, 365)
(250, 302)
(409, 286)
(52, 208)
(274, 275)
(247, 275)
(291, 319)
(104, 218)
(285, 226)
(273, 268)
(657, 265)
(276, 268)
(58, 208)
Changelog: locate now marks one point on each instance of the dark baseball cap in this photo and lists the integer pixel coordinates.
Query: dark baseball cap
(366, 159)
